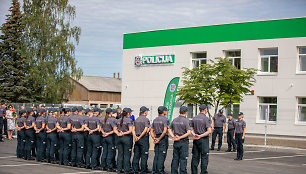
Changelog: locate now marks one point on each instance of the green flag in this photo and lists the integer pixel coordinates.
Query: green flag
(170, 96)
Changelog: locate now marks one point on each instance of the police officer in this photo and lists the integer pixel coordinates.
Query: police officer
(179, 131)
(2, 116)
(230, 133)
(123, 129)
(239, 135)
(29, 134)
(115, 138)
(92, 125)
(159, 134)
(63, 127)
(21, 134)
(77, 127)
(141, 138)
(107, 129)
(52, 140)
(218, 122)
(87, 113)
(39, 128)
(201, 128)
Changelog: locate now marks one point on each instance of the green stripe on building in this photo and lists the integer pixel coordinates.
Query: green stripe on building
(272, 29)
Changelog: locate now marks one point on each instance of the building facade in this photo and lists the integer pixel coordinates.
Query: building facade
(277, 48)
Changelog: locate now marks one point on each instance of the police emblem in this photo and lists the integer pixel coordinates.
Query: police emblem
(172, 87)
(138, 60)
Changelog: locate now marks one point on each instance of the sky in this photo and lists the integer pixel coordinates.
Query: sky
(103, 22)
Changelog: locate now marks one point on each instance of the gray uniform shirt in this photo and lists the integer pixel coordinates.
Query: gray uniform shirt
(219, 120)
(160, 123)
(231, 123)
(39, 121)
(141, 123)
(111, 122)
(92, 122)
(180, 125)
(51, 122)
(127, 122)
(21, 121)
(76, 121)
(30, 120)
(2, 111)
(64, 121)
(200, 123)
(239, 126)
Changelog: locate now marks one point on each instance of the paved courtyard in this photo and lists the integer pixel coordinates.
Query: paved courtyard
(255, 161)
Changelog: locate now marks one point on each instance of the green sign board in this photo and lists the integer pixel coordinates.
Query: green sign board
(170, 96)
(154, 60)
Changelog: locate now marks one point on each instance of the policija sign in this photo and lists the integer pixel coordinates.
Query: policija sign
(154, 60)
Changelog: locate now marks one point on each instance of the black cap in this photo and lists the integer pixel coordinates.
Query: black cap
(67, 110)
(115, 111)
(95, 109)
(128, 110)
(221, 111)
(240, 113)
(87, 110)
(74, 109)
(203, 106)
(230, 114)
(30, 110)
(40, 111)
(108, 110)
(162, 108)
(23, 112)
(144, 109)
(100, 111)
(80, 108)
(183, 108)
(53, 105)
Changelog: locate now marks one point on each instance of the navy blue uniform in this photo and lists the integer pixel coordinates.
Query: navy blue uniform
(219, 121)
(40, 138)
(21, 137)
(240, 125)
(109, 143)
(52, 140)
(29, 136)
(230, 135)
(64, 140)
(77, 122)
(93, 141)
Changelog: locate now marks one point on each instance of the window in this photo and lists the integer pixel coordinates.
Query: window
(269, 60)
(103, 105)
(268, 107)
(234, 109)
(234, 57)
(301, 110)
(192, 110)
(198, 59)
(302, 59)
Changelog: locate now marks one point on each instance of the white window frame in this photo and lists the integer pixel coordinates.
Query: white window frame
(298, 69)
(269, 61)
(233, 58)
(258, 120)
(232, 108)
(198, 59)
(297, 122)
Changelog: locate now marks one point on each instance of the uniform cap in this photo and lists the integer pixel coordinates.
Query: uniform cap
(183, 108)
(128, 110)
(87, 110)
(114, 111)
(74, 109)
(80, 108)
(100, 111)
(240, 113)
(108, 110)
(230, 114)
(40, 111)
(203, 106)
(30, 110)
(66, 109)
(162, 108)
(53, 105)
(95, 109)
(144, 109)
(221, 111)
(23, 111)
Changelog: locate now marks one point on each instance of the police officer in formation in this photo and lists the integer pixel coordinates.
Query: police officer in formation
(230, 133)
(201, 128)
(180, 130)
(60, 138)
(240, 126)
(218, 126)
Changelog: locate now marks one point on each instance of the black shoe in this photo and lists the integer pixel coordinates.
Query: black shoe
(96, 168)
(218, 149)
(212, 148)
(104, 169)
(53, 162)
(31, 158)
(234, 150)
(73, 165)
(87, 167)
(111, 170)
(1, 140)
(81, 166)
(120, 171)
(148, 171)
(237, 159)
(228, 150)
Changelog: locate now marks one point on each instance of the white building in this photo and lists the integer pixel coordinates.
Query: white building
(276, 47)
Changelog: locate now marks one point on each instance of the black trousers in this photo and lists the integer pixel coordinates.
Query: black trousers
(160, 154)
(141, 152)
(5, 127)
(124, 153)
(52, 146)
(64, 147)
(200, 151)
(180, 156)
(93, 144)
(20, 143)
(77, 148)
(218, 131)
(41, 142)
(30, 139)
(230, 140)
(239, 141)
(108, 152)
(1, 127)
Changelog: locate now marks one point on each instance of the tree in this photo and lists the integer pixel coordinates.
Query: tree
(50, 40)
(216, 84)
(14, 69)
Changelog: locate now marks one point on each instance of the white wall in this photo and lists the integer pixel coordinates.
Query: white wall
(147, 85)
